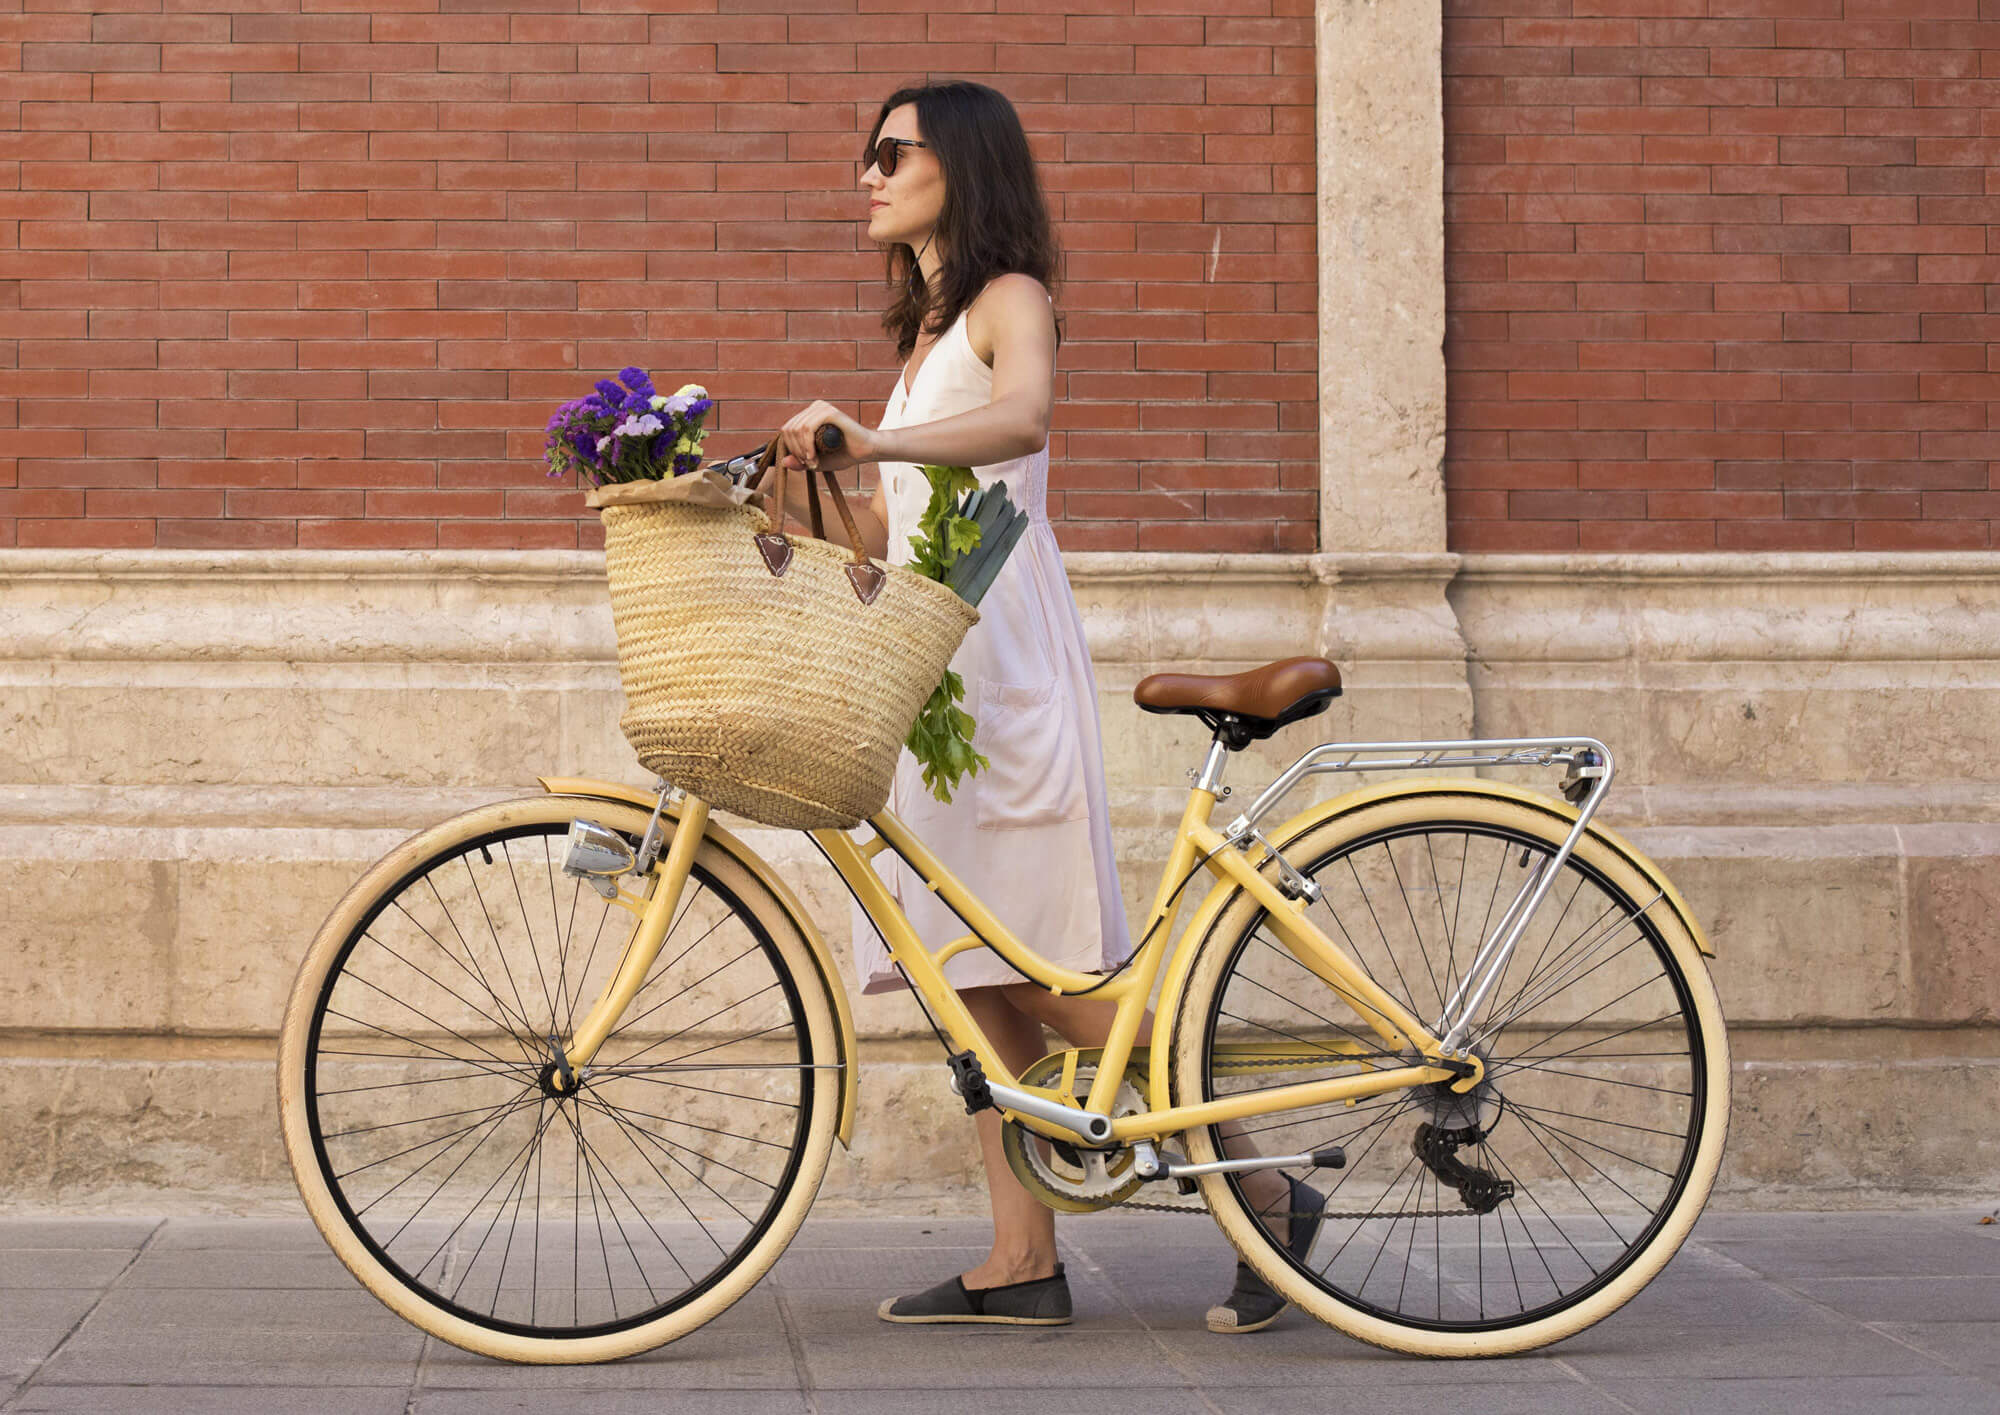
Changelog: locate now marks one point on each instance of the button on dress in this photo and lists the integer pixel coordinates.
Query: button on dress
(1030, 834)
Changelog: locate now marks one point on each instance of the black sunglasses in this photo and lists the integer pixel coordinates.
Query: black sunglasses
(884, 155)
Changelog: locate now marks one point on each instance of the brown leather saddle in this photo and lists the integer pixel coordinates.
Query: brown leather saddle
(1241, 708)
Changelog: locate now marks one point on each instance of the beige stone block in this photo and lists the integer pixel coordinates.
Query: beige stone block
(242, 927)
(1954, 922)
(1809, 1132)
(380, 724)
(87, 940)
(80, 1127)
(1808, 924)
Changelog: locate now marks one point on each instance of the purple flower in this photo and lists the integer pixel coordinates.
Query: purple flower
(636, 380)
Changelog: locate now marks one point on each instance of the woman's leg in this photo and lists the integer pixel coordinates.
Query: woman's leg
(1024, 1232)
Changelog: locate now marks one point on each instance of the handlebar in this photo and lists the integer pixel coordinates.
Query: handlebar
(738, 468)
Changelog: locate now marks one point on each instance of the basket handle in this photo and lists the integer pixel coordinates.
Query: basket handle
(863, 574)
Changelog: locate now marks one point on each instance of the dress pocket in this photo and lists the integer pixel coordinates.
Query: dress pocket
(1034, 776)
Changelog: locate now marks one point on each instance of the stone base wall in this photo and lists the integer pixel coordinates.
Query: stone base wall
(200, 751)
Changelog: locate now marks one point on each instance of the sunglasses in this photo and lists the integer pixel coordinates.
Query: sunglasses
(884, 154)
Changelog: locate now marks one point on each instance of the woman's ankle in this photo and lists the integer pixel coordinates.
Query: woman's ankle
(998, 1271)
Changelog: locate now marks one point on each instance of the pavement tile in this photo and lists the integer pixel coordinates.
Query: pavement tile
(1004, 1400)
(981, 1358)
(1973, 1347)
(1922, 1254)
(1732, 1301)
(26, 1268)
(1298, 1351)
(22, 1349)
(78, 1232)
(266, 1235)
(211, 1400)
(54, 1309)
(234, 1356)
(1848, 1395)
(880, 1272)
(1830, 1346)
(238, 1268)
(1909, 1299)
(706, 1360)
(348, 1309)
(896, 1233)
(1540, 1397)
(612, 1402)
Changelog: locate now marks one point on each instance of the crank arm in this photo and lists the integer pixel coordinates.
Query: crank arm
(1151, 1164)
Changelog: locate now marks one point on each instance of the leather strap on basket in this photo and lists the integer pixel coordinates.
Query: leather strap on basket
(776, 548)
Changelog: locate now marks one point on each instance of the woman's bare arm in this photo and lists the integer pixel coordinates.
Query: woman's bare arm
(1014, 316)
(1016, 312)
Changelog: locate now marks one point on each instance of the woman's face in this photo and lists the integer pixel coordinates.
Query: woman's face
(904, 207)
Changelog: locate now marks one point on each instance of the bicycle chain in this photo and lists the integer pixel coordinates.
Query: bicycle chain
(1295, 1213)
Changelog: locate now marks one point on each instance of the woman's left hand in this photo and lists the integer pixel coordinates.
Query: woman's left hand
(799, 430)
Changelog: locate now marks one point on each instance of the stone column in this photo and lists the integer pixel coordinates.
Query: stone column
(1381, 276)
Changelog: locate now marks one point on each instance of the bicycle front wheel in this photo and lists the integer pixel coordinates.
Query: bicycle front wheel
(475, 1194)
(1515, 1215)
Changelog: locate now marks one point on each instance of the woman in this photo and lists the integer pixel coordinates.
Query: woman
(954, 196)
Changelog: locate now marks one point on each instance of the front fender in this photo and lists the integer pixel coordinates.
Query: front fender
(829, 973)
(1218, 898)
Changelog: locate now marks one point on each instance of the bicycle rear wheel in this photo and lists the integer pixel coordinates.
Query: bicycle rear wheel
(1541, 1202)
(470, 1191)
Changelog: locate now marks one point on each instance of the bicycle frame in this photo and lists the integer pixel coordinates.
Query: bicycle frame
(1197, 844)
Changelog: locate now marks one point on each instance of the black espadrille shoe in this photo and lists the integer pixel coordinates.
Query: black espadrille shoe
(1251, 1305)
(1038, 1302)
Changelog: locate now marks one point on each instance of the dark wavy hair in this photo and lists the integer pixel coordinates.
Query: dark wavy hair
(995, 220)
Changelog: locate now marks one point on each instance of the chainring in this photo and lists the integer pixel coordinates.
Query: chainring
(1073, 1178)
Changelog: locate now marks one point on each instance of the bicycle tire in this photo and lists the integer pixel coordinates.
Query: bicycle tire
(501, 1056)
(1461, 1324)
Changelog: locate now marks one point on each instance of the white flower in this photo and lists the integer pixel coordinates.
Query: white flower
(690, 391)
(659, 401)
(602, 444)
(637, 426)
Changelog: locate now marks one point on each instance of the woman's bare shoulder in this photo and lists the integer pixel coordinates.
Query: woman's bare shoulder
(1011, 304)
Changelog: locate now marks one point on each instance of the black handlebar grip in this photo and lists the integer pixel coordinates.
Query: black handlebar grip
(830, 438)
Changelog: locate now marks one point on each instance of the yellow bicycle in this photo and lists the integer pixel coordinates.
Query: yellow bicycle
(560, 1076)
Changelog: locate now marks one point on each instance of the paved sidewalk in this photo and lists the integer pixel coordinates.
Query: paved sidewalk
(1827, 1312)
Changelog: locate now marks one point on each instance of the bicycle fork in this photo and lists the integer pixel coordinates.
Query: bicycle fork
(654, 914)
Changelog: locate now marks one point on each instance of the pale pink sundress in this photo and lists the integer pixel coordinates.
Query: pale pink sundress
(1031, 833)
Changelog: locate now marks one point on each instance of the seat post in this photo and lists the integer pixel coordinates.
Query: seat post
(1211, 768)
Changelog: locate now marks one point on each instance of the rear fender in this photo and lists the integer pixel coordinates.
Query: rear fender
(829, 973)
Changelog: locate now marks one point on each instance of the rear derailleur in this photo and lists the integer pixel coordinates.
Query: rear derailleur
(1479, 1190)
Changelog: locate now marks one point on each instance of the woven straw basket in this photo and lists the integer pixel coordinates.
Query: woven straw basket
(775, 677)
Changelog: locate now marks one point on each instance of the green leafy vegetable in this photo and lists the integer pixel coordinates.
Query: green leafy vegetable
(944, 532)
(941, 737)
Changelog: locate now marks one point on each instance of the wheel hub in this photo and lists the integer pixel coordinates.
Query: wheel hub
(559, 1082)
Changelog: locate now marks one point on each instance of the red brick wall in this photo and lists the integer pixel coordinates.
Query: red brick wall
(317, 279)
(1720, 274)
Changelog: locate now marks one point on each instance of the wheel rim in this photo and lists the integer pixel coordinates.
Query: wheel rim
(1597, 1097)
(440, 1129)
